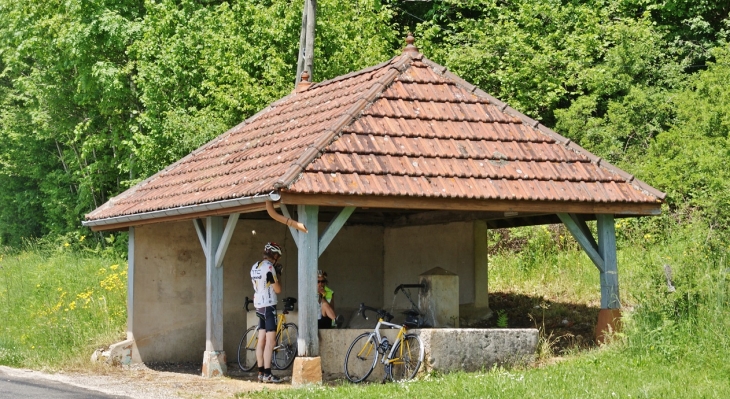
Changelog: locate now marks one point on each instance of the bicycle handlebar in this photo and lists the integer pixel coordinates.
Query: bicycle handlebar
(246, 303)
(402, 286)
(381, 312)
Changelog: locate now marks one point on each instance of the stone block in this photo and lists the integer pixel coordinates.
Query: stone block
(439, 301)
(306, 370)
(119, 354)
(609, 321)
(214, 364)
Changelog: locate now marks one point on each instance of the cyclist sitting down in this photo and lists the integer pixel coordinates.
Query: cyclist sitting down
(326, 301)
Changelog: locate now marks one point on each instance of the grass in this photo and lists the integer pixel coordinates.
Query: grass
(58, 305)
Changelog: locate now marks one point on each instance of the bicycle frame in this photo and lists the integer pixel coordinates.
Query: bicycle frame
(285, 334)
(389, 359)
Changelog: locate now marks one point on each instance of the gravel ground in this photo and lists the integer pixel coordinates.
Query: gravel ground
(160, 382)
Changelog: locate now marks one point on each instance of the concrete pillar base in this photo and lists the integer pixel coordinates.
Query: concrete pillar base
(214, 364)
(306, 370)
(609, 321)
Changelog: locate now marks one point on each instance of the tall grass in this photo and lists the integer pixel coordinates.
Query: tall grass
(57, 304)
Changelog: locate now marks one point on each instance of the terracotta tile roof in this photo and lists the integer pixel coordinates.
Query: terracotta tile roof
(406, 127)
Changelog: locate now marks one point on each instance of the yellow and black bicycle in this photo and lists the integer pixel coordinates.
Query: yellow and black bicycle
(401, 359)
(285, 349)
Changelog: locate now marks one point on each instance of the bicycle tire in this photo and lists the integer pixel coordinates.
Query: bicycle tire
(286, 347)
(246, 356)
(358, 364)
(408, 361)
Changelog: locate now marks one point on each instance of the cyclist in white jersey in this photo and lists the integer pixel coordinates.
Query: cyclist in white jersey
(265, 278)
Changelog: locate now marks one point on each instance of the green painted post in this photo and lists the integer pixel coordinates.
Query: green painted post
(214, 286)
(609, 274)
(308, 251)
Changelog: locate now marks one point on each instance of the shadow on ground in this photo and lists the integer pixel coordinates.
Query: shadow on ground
(567, 326)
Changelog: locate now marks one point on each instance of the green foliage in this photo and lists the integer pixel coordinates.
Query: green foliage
(204, 68)
(65, 109)
(96, 96)
(690, 160)
(502, 318)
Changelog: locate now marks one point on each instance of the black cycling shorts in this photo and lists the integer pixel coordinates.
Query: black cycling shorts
(325, 323)
(267, 318)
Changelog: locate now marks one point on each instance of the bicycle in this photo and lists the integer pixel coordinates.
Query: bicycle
(285, 349)
(401, 361)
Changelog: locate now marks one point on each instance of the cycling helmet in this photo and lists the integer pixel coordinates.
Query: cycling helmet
(272, 248)
(321, 273)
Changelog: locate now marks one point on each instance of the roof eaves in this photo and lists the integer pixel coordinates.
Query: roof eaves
(183, 210)
(504, 107)
(397, 66)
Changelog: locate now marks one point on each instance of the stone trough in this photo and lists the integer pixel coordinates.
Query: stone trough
(446, 349)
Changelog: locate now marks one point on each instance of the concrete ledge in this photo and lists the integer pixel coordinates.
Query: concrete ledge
(446, 349)
(474, 349)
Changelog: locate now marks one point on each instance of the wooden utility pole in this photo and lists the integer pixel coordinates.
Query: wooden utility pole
(306, 40)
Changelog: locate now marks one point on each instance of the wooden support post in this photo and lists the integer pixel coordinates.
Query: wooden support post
(130, 285)
(307, 367)
(609, 274)
(309, 50)
(214, 363)
(603, 255)
(308, 252)
(302, 43)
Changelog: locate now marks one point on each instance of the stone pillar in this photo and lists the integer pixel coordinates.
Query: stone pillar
(439, 300)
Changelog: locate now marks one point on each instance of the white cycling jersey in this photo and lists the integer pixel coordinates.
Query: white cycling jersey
(264, 294)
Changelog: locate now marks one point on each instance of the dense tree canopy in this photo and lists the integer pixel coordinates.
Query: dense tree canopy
(97, 95)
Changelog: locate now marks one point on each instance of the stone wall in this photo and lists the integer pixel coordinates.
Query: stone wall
(364, 264)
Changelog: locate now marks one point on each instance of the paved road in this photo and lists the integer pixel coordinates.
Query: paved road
(13, 387)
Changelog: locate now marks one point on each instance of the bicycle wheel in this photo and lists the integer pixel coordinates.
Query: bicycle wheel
(286, 347)
(247, 349)
(406, 359)
(361, 357)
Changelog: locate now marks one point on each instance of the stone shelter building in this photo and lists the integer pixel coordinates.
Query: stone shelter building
(376, 177)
